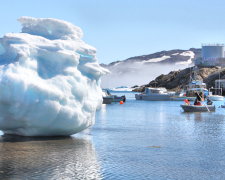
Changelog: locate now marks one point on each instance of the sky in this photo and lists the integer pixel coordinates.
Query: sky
(120, 29)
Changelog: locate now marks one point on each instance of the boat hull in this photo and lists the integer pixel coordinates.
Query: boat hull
(216, 98)
(153, 97)
(193, 108)
(107, 100)
(119, 98)
(182, 98)
(162, 98)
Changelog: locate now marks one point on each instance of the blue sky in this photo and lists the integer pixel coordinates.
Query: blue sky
(120, 29)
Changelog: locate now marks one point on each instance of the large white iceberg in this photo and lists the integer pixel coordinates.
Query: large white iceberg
(49, 79)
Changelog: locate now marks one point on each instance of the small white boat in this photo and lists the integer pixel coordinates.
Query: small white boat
(197, 108)
(155, 94)
(216, 98)
(215, 94)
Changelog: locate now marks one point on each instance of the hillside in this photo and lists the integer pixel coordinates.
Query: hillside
(176, 80)
(140, 69)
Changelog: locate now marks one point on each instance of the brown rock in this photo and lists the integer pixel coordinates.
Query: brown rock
(177, 80)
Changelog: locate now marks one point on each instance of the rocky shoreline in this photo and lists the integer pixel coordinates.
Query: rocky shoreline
(177, 80)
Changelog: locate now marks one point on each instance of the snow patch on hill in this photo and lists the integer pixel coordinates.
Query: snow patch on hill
(154, 60)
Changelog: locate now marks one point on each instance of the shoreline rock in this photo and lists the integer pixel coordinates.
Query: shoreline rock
(177, 80)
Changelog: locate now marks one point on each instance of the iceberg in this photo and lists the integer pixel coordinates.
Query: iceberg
(49, 79)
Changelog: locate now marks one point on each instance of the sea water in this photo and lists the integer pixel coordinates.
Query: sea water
(134, 140)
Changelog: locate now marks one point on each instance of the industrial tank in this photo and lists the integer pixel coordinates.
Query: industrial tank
(212, 51)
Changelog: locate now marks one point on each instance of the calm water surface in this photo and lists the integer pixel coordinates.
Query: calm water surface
(136, 140)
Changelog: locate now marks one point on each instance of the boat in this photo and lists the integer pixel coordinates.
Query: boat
(155, 94)
(196, 86)
(215, 94)
(215, 97)
(198, 108)
(119, 98)
(108, 98)
(193, 87)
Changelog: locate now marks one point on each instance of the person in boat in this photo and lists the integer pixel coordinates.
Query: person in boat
(198, 99)
(187, 101)
(197, 102)
(199, 96)
(209, 102)
(124, 98)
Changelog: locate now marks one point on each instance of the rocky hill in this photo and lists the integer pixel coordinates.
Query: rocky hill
(176, 56)
(140, 69)
(176, 80)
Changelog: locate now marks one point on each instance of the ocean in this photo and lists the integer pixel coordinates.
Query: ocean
(135, 140)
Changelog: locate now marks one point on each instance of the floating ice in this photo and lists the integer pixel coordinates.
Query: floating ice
(49, 79)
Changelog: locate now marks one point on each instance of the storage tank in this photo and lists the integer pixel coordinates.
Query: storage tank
(212, 51)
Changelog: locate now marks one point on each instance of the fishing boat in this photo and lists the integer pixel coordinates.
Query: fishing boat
(194, 86)
(198, 108)
(155, 94)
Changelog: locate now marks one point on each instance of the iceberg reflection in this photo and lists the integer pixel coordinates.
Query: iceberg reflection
(47, 158)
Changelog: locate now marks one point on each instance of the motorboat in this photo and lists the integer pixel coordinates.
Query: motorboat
(216, 98)
(119, 98)
(108, 98)
(155, 94)
(215, 94)
(198, 108)
(195, 86)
